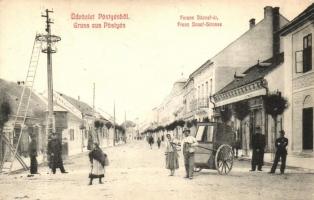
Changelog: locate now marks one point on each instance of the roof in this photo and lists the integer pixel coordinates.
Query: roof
(81, 106)
(301, 19)
(254, 73)
(201, 68)
(13, 92)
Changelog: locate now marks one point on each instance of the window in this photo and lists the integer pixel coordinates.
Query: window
(205, 133)
(199, 92)
(202, 90)
(307, 53)
(206, 89)
(210, 86)
(71, 134)
(299, 61)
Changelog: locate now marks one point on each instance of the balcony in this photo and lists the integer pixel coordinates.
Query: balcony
(197, 104)
(203, 103)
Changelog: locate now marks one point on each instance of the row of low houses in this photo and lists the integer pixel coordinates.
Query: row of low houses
(74, 123)
(273, 56)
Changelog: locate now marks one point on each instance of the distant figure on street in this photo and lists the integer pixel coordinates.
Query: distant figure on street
(151, 141)
(258, 145)
(281, 153)
(158, 142)
(188, 143)
(236, 144)
(172, 156)
(98, 160)
(55, 154)
(32, 150)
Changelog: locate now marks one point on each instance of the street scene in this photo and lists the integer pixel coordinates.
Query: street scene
(138, 172)
(149, 100)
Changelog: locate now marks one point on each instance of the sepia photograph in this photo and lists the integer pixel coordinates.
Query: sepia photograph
(153, 99)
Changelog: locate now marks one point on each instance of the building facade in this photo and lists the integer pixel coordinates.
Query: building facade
(299, 80)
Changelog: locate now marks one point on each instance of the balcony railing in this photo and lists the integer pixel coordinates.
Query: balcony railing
(199, 103)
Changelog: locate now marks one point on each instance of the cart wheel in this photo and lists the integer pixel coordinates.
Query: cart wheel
(224, 159)
(197, 169)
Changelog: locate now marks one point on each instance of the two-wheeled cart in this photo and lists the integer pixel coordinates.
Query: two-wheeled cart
(214, 150)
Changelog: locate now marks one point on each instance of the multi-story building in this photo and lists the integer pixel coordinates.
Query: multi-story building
(197, 90)
(250, 90)
(171, 108)
(259, 43)
(299, 80)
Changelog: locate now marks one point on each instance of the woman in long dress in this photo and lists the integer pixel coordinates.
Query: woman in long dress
(97, 159)
(171, 153)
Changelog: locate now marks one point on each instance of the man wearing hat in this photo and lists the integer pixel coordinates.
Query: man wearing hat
(258, 146)
(281, 153)
(188, 144)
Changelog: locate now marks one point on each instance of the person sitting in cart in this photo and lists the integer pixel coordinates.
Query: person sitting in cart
(189, 143)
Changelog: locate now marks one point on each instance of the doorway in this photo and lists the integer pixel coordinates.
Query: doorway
(307, 131)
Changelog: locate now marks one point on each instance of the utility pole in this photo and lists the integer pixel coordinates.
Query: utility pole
(49, 40)
(49, 52)
(94, 131)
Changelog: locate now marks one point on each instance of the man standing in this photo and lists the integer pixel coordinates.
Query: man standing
(188, 144)
(32, 150)
(258, 146)
(281, 153)
(55, 154)
(151, 141)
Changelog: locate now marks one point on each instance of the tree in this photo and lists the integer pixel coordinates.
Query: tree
(98, 126)
(275, 105)
(5, 110)
(225, 114)
(189, 124)
(108, 125)
(241, 110)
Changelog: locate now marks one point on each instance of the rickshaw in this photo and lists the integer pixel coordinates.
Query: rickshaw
(214, 150)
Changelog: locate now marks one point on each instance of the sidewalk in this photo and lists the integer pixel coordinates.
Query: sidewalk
(305, 163)
(293, 161)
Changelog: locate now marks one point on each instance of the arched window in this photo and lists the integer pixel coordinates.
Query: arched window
(308, 102)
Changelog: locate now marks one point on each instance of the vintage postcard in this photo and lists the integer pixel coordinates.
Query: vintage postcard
(152, 99)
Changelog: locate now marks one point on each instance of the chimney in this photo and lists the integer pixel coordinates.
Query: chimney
(252, 23)
(78, 98)
(268, 11)
(276, 27)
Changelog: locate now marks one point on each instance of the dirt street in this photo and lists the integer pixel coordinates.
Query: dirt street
(137, 172)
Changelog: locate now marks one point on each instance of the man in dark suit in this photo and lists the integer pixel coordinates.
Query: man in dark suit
(55, 154)
(281, 153)
(258, 146)
(32, 150)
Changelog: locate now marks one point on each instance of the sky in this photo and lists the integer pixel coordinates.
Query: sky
(133, 67)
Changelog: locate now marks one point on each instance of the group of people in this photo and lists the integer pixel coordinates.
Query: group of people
(98, 159)
(258, 146)
(54, 154)
(171, 151)
(151, 141)
(189, 143)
